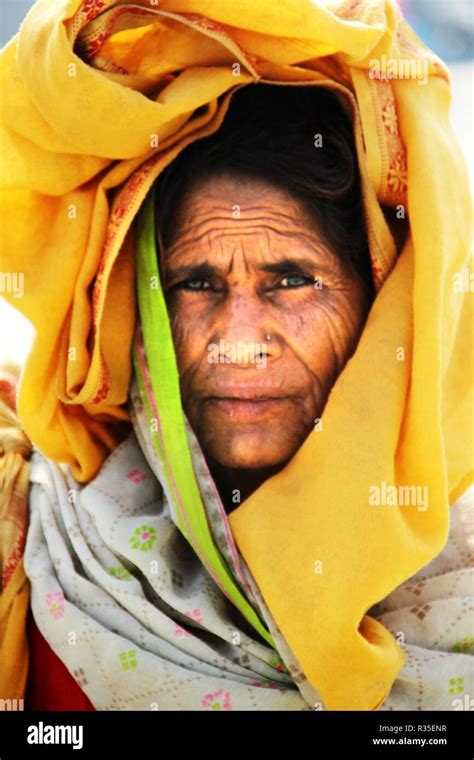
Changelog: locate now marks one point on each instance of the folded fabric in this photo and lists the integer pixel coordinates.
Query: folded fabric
(14, 586)
(132, 612)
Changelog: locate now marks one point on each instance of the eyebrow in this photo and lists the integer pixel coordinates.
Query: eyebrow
(298, 265)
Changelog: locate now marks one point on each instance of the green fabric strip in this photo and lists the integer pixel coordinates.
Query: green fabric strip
(171, 443)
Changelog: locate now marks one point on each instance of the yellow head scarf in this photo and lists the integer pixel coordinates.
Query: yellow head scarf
(98, 97)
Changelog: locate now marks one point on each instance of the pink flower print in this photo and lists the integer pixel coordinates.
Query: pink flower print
(136, 476)
(55, 603)
(219, 700)
(195, 615)
(179, 631)
(263, 683)
(143, 538)
(192, 615)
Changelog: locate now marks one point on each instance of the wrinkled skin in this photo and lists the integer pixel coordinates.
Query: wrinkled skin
(313, 330)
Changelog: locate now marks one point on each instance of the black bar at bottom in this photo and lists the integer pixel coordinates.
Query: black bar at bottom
(116, 735)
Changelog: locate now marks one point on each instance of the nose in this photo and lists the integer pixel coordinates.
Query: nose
(245, 330)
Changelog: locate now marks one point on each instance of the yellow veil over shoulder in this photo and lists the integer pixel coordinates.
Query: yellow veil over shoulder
(97, 98)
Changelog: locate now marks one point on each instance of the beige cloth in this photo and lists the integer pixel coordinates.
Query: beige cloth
(151, 629)
(431, 615)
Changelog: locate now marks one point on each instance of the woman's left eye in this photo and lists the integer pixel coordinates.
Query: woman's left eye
(195, 284)
(296, 281)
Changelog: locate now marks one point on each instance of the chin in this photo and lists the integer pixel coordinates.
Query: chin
(250, 451)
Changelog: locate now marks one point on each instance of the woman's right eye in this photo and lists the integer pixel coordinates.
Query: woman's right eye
(193, 285)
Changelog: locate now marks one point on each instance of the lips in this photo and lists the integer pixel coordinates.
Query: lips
(246, 409)
(247, 393)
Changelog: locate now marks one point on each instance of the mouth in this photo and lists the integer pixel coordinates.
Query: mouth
(246, 409)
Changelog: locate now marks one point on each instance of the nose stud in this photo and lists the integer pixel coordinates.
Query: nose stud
(268, 336)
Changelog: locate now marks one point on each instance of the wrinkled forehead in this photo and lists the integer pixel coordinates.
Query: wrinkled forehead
(226, 214)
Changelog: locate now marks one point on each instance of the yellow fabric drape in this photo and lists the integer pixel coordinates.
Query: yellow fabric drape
(97, 97)
(14, 585)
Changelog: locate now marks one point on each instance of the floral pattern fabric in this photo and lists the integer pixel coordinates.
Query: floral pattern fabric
(126, 604)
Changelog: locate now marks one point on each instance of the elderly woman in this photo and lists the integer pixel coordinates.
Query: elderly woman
(263, 247)
(240, 480)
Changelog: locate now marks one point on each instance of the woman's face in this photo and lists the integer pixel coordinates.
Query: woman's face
(263, 315)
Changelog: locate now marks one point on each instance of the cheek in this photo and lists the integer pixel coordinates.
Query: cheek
(190, 334)
(324, 333)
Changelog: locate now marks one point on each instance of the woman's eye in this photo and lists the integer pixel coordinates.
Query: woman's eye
(193, 285)
(296, 281)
